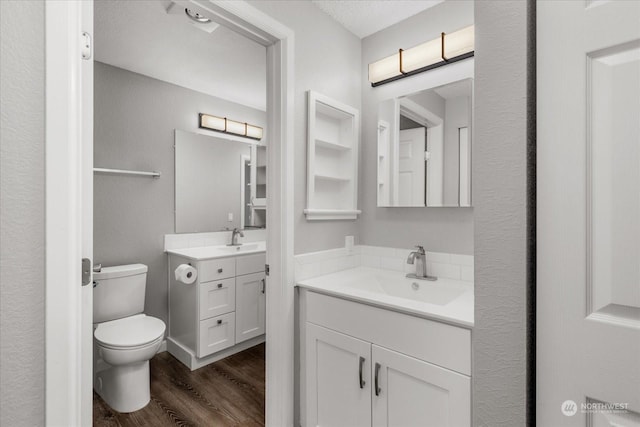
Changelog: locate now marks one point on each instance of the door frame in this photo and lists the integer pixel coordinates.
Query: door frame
(64, 367)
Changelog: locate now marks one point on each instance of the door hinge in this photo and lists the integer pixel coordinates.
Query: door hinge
(86, 45)
(266, 269)
(86, 271)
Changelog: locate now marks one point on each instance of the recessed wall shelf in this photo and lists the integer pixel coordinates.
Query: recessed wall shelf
(333, 178)
(126, 172)
(331, 145)
(332, 159)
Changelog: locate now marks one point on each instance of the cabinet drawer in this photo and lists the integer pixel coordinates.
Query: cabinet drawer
(216, 269)
(250, 264)
(438, 343)
(217, 297)
(216, 334)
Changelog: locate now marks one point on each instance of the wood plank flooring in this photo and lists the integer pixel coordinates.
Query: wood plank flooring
(229, 392)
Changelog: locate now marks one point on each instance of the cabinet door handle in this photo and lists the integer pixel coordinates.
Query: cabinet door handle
(219, 270)
(378, 390)
(263, 285)
(219, 322)
(362, 383)
(219, 285)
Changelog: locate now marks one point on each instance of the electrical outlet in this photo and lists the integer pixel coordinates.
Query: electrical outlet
(348, 243)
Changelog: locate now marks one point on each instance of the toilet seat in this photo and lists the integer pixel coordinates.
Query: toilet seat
(130, 332)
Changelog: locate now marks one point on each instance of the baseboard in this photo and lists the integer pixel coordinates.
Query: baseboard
(189, 359)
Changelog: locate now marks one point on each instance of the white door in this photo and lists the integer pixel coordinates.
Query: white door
(69, 212)
(250, 306)
(435, 166)
(588, 213)
(408, 392)
(338, 386)
(411, 167)
(87, 214)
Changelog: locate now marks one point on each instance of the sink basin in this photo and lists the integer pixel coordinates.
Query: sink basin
(412, 289)
(420, 290)
(445, 299)
(245, 247)
(210, 252)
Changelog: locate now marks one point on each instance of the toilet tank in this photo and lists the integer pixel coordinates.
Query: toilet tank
(119, 292)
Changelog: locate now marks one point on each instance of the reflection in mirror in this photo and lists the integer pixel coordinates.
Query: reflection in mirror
(424, 148)
(220, 183)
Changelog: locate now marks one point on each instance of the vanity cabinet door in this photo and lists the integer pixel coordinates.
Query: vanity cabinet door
(410, 392)
(338, 383)
(250, 306)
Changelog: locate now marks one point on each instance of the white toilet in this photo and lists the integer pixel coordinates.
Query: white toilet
(124, 338)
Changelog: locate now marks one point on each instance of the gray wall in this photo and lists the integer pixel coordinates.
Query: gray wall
(327, 60)
(22, 243)
(499, 173)
(438, 229)
(135, 118)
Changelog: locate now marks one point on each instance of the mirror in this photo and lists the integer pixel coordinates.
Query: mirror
(220, 183)
(424, 148)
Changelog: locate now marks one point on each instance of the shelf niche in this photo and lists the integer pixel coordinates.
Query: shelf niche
(332, 159)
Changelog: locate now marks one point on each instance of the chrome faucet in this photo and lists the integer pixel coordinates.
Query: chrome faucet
(234, 237)
(419, 258)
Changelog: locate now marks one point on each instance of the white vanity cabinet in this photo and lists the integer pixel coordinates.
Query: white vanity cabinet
(251, 306)
(221, 313)
(338, 385)
(368, 366)
(411, 392)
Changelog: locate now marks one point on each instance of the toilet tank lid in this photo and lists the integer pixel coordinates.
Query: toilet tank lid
(120, 271)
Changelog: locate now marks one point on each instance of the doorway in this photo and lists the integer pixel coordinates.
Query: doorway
(67, 338)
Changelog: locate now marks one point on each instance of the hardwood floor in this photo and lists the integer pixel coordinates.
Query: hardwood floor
(229, 392)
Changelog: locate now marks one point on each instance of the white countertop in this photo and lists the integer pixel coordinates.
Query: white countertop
(446, 300)
(222, 251)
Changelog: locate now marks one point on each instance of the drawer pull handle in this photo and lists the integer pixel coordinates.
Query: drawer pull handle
(219, 321)
(219, 270)
(219, 285)
(362, 382)
(378, 390)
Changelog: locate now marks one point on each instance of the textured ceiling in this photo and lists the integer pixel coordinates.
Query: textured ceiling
(141, 36)
(365, 17)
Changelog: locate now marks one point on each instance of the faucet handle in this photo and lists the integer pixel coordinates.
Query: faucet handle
(420, 249)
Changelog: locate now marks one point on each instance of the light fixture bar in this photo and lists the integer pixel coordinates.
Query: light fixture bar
(224, 125)
(446, 49)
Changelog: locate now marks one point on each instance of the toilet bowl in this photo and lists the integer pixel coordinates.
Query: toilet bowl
(124, 338)
(126, 345)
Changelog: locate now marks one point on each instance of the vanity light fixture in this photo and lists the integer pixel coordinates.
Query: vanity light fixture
(222, 124)
(444, 50)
